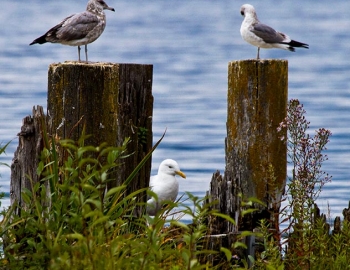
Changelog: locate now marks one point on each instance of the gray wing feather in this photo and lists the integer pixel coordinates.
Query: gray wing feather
(76, 26)
(268, 34)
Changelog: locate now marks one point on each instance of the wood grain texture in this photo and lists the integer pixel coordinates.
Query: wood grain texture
(114, 102)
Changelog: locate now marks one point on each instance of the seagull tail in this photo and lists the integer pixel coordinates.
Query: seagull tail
(294, 43)
(39, 40)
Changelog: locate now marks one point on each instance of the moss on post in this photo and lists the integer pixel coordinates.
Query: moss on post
(257, 103)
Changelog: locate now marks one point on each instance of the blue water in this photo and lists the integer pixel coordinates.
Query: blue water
(190, 44)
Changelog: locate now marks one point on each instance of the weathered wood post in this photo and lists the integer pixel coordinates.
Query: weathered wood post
(112, 101)
(115, 101)
(257, 103)
(26, 157)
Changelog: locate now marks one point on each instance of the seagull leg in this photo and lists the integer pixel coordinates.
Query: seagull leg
(258, 57)
(79, 52)
(86, 52)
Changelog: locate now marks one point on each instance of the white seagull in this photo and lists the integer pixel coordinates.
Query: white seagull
(79, 29)
(262, 35)
(165, 185)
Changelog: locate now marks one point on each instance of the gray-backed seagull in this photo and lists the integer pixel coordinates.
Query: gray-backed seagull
(262, 35)
(165, 185)
(79, 29)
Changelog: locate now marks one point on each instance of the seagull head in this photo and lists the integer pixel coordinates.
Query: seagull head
(170, 167)
(248, 10)
(103, 5)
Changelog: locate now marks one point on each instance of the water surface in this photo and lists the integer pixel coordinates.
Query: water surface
(190, 44)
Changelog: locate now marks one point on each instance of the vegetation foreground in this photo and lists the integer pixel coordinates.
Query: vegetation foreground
(69, 221)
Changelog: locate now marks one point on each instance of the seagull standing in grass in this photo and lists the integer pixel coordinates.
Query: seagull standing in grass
(78, 29)
(262, 35)
(164, 185)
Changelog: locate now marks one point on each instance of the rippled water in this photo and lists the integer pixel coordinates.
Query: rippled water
(190, 44)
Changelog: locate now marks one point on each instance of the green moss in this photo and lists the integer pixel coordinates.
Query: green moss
(257, 101)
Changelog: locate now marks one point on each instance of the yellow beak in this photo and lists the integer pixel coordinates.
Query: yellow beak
(181, 174)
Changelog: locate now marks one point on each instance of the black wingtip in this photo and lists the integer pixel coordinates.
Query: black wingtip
(39, 40)
(294, 43)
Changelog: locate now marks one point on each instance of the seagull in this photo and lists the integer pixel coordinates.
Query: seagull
(165, 185)
(80, 28)
(262, 35)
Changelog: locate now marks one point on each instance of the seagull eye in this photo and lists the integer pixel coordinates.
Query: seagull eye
(242, 12)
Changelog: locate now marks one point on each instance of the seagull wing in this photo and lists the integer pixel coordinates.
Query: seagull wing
(165, 186)
(152, 204)
(76, 26)
(268, 34)
(152, 181)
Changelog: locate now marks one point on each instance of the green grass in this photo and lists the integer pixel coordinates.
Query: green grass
(69, 221)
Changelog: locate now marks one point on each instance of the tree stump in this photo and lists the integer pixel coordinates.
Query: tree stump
(26, 157)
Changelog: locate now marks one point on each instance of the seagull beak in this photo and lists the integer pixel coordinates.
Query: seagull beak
(110, 8)
(181, 174)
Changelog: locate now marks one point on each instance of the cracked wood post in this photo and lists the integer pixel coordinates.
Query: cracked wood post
(25, 160)
(113, 101)
(257, 103)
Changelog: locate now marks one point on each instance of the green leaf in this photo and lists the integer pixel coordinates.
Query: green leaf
(83, 150)
(248, 211)
(180, 224)
(87, 161)
(227, 252)
(3, 148)
(247, 233)
(251, 259)
(114, 190)
(185, 256)
(100, 220)
(104, 176)
(26, 197)
(228, 218)
(96, 203)
(256, 200)
(76, 236)
(239, 245)
(31, 242)
(117, 205)
(89, 187)
(281, 267)
(270, 267)
(40, 168)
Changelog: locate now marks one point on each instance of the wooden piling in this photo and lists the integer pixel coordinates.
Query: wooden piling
(257, 104)
(256, 158)
(112, 101)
